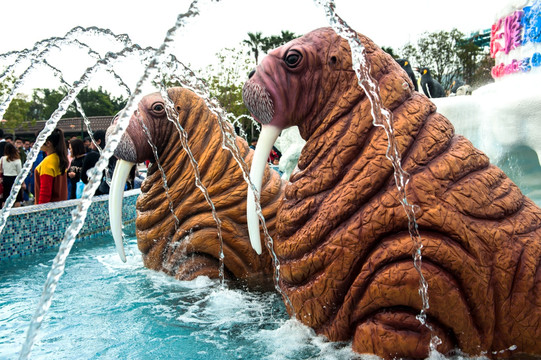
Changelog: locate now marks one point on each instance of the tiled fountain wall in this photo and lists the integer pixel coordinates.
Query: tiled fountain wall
(30, 229)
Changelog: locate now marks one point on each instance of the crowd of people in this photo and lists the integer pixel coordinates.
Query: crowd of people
(59, 171)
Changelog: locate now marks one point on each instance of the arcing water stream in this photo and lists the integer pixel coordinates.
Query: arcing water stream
(159, 62)
(114, 137)
(383, 118)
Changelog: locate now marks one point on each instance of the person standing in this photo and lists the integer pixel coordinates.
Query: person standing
(87, 142)
(27, 146)
(77, 150)
(50, 183)
(30, 187)
(10, 166)
(92, 158)
(19, 144)
(2, 142)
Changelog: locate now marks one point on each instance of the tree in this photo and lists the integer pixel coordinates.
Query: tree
(409, 52)
(16, 115)
(439, 52)
(6, 84)
(45, 102)
(97, 103)
(255, 42)
(482, 74)
(94, 103)
(226, 79)
(389, 50)
(275, 41)
(449, 56)
(470, 56)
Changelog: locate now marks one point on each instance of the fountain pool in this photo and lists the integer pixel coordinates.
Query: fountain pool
(108, 309)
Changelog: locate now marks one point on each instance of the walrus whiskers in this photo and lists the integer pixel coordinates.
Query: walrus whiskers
(258, 101)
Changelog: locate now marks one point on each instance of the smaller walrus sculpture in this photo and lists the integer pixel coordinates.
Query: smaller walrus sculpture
(191, 247)
(342, 235)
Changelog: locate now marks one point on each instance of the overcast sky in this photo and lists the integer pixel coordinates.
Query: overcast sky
(226, 23)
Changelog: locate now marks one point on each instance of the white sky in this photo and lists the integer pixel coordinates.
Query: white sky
(226, 23)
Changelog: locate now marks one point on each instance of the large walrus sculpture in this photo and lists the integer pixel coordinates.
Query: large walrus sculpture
(342, 235)
(190, 246)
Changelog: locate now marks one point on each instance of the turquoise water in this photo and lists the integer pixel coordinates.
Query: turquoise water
(106, 309)
(521, 164)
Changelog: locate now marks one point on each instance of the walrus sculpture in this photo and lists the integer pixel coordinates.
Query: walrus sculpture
(342, 235)
(192, 247)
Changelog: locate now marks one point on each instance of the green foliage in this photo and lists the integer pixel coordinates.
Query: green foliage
(274, 41)
(226, 79)
(389, 50)
(470, 58)
(255, 42)
(6, 84)
(17, 114)
(449, 55)
(482, 75)
(258, 43)
(45, 102)
(23, 112)
(94, 103)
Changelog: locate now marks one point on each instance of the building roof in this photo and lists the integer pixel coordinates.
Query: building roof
(70, 126)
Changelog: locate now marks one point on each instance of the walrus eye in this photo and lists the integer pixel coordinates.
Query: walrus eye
(158, 108)
(293, 58)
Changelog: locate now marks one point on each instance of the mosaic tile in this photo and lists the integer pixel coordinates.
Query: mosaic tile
(31, 229)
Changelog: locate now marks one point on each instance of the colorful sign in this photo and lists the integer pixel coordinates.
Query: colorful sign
(515, 41)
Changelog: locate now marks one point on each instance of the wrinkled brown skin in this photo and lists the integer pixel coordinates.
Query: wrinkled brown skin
(193, 248)
(342, 235)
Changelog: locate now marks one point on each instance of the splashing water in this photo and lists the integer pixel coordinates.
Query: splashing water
(198, 86)
(79, 214)
(383, 118)
(158, 163)
(172, 115)
(236, 121)
(36, 56)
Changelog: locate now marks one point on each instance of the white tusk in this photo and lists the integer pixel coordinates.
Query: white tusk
(268, 136)
(116, 195)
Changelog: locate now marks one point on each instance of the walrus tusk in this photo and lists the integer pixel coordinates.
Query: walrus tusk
(268, 136)
(122, 170)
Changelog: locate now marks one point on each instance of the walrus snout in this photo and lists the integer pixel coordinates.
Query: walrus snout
(127, 148)
(258, 101)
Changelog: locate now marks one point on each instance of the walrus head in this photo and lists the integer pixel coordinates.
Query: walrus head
(285, 89)
(305, 83)
(134, 148)
(175, 226)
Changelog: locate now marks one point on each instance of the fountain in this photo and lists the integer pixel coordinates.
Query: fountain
(507, 112)
(189, 250)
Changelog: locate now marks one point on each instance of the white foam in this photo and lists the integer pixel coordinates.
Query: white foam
(293, 340)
